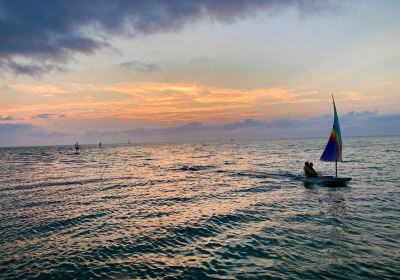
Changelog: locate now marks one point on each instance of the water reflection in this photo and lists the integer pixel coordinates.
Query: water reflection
(223, 209)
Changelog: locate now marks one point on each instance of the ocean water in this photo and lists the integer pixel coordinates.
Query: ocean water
(233, 209)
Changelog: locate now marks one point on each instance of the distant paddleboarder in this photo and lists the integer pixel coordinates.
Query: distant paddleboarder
(77, 146)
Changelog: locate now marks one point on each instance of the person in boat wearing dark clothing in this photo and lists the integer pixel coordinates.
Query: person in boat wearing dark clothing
(309, 170)
(314, 173)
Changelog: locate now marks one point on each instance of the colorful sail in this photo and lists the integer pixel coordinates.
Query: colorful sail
(333, 150)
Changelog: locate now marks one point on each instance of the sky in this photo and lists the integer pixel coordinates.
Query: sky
(179, 70)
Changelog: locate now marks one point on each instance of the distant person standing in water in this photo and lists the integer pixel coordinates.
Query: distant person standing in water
(77, 146)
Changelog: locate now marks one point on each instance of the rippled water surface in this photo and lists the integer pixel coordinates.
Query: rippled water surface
(199, 210)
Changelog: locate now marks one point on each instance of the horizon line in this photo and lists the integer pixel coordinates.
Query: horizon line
(197, 141)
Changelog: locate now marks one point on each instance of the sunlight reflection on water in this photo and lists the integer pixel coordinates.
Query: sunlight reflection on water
(218, 209)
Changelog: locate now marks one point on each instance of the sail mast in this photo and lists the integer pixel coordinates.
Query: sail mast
(336, 168)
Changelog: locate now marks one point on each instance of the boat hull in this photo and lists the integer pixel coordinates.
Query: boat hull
(329, 180)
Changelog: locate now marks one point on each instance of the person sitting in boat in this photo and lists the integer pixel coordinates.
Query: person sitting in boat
(77, 146)
(309, 170)
(313, 172)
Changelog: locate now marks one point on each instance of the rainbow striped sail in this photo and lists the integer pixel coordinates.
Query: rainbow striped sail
(333, 150)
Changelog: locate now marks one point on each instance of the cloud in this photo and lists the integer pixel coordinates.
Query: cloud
(353, 124)
(46, 90)
(31, 68)
(355, 96)
(363, 123)
(202, 62)
(140, 67)
(47, 33)
(161, 102)
(27, 134)
(8, 118)
(47, 116)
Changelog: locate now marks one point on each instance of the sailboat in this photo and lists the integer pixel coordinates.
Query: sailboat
(332, 153)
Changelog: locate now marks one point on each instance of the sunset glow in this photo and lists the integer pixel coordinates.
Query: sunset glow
(262, 61)
(164, 102)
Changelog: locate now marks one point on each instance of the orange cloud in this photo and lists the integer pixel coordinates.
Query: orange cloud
(355, 96)
(168, 102)
(45, 90)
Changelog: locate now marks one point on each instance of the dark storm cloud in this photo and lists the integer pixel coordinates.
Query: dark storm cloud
(140, 67)
(47, 32)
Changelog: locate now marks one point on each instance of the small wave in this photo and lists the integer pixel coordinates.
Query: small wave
(207, 156)
(375, 167)
(114, 197)
(40, 203)
(115, 186)
(73, 154)
(263, 175)
(257, 189)
(157, 214)
(196, 167)
(173, 200)
(392, 151)
(54, 184)
(51, 227)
